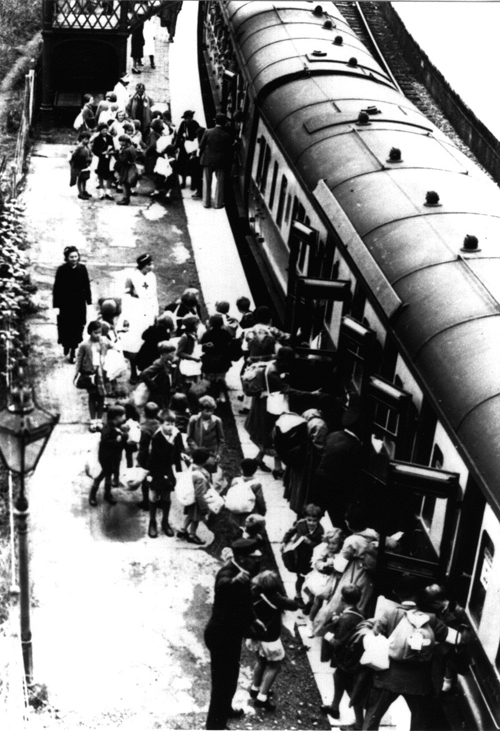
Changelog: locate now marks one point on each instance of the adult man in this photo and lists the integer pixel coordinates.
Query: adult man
(232, 615)
(215, 157)
(168, 16)
(139, 107)
(411, 674)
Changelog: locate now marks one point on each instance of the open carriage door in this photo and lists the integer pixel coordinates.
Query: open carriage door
(427, 501)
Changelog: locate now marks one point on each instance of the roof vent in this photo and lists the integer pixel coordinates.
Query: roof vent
(431, 199)
(328, 25)
(394, 155)
(470, 244)
(353, 62)
(318, 53)
(363, 118)
(338, 40)
(318, 10)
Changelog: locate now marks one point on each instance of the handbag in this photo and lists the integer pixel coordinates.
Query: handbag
(133, 477)
(214, 501)
(200, 388)
(162, 143)
(240, 497)
(163, 167)
(184, 488)
(77, 124)
(290, 553)
(132, 175)
(85, 381)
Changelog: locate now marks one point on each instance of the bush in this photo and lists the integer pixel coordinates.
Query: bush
(19, 21)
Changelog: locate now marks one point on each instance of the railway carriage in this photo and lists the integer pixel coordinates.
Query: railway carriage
(380, 243)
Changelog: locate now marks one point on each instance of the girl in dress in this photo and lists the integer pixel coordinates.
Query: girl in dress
(89, 363)
(102, 148)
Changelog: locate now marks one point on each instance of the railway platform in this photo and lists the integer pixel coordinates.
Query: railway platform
(100, 584)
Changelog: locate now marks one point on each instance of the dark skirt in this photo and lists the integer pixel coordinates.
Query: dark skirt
(260, 424)
(70, 324)
(103, 168)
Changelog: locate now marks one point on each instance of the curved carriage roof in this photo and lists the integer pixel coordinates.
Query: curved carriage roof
(449, 321)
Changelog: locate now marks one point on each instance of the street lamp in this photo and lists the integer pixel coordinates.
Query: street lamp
(25, 429)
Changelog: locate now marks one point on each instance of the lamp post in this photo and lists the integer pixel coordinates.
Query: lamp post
(25, 429)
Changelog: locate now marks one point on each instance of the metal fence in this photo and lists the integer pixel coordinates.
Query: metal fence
(17, 164)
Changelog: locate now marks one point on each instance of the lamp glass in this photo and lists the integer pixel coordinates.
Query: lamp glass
(23, 437)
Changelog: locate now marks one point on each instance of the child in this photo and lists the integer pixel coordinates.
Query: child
(205, 430)
(254, 527)
(269, 602)
(248, 469)
(179, 405)
(321, 581)
(202, 481)
(149, 427)
(216, 358)
(312, 531)
(158, 376)
(344, 676)
(80, 165)
(102, 148)
(166, 452)
(247, 319)
(111, 445)
(132, 420)
(231, 324)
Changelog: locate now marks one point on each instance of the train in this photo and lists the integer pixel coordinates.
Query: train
(379, 242)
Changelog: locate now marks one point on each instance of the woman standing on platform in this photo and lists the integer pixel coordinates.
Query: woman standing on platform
(139, 308)
(71, 294)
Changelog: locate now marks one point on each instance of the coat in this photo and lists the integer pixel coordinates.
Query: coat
(164, 456)
(71, 294)
(315, 537)
(111, 446)
(211, 438)
(84, 360)
(202, 482)
(149, 427)
(232, 610)
(133, 112)
(159, 381)
(216, 148)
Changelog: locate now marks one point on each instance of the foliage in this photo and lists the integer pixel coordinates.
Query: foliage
(15, 284)
(19, 21)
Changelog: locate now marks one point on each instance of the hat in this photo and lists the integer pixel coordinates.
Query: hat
(188, 113)
(246, 547)
(125, 78)
(143, 260)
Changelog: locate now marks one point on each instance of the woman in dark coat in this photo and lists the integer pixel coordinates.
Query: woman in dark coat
(71, 294)
(187, 131)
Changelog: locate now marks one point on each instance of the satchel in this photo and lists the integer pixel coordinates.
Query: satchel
(133, 477)
(290, 554)
(114, 364)
(240, 497)
(132, 176)
(277, 401)
(190, 146)
(85, 381)
(79, 121)
(73, 175)
(252, 379)
(214, 501)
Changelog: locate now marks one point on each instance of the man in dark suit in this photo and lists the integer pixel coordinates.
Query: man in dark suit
(232, 615)
(216, 148)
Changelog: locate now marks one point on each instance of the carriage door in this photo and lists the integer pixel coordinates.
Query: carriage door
(425, 548)
(309, 301)
(302, 244)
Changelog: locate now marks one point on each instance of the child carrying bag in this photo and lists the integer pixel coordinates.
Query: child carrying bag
(240, 497)
(184, 488)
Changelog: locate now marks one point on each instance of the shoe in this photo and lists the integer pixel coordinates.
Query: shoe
(330, 711)
(298, 599)
(263, 466)
(182, 534)
(82, 197)
(135, 71)
(133, 192)
(93, 498)
(246, 411)
(193, 538)
(140, 63)
(154, 194)
(278, 474)
(143, 505)
(152, 529)
(101, 196)
(110, 499)
(87, 195)
(92, 426)
(114, 482)
(98, 185)
(109, 197)
(351, 727)
(240, 397)
(119, 189)
(167, 529)
(266, 705)
(170, 40)
(306, 609)
(447, 685)
(153, 66)
(236, 713)
(123, 202)
(98, 424)
(254, 693)
(196, 195)
(133, 380)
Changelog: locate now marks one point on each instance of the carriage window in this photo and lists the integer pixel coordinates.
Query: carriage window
(288, 208)
(260, 163)
(429, 502)
(482, 578)
(273, 185)
(299, 212)
(281, 201)
(265, 168)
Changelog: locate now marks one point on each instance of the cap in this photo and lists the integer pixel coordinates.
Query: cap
(188, 113)
(220, 118)
(246, 547)
(143, 260)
